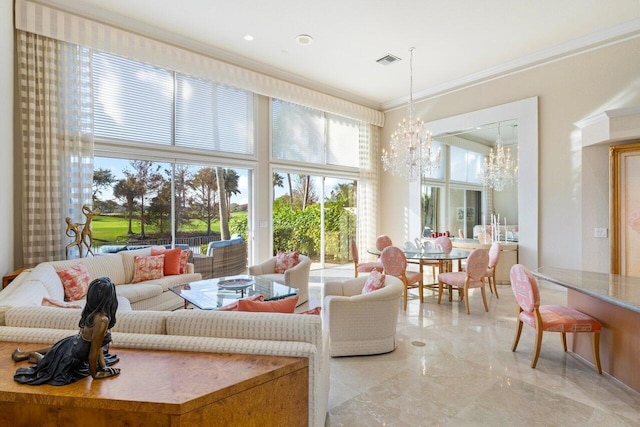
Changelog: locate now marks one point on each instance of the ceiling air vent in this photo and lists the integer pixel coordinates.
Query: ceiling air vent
(388, 59)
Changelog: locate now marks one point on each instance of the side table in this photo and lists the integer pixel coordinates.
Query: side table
(7, 278)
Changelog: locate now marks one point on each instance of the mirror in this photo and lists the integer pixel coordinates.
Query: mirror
(525, 114)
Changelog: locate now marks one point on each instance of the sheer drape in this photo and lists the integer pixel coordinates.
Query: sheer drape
(57, 141)
(368, 188)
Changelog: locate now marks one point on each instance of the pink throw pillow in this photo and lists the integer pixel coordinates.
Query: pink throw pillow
(286, 305)
(286, 260)
(171, 260)
(315, 310)
(184, 259)
(147, 267)
(49, 302)
(75, 280)
(374, 282)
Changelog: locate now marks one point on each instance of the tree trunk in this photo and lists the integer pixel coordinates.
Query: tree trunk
(222, 204)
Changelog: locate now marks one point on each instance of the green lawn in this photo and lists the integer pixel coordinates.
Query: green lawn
(114, 229)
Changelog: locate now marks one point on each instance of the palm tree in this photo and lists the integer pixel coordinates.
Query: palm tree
(223, 211)
(205, 185)
(231, 186)
(277, 182)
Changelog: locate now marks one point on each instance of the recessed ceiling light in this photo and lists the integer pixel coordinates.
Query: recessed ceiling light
(304, 39)
(248, 37)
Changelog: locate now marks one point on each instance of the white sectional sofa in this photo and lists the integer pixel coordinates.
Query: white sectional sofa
(31, 286)
(294, 335)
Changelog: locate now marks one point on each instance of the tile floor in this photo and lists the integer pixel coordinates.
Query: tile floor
(454, 369)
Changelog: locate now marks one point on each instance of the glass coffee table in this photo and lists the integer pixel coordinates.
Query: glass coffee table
(212, 294)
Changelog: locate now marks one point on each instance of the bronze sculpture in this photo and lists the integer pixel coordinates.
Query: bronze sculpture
(80, 355)
(80, 233)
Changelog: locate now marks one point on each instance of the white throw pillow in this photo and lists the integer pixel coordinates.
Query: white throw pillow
(46, 274)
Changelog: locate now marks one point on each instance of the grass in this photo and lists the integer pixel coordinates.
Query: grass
(114, 229)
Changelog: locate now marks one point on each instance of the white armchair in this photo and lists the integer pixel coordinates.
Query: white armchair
(361, 324)
(296, 277)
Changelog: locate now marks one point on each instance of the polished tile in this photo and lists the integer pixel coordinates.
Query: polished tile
(454, 369)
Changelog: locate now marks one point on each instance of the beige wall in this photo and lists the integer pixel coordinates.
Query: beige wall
(7, 262)
(573, 199)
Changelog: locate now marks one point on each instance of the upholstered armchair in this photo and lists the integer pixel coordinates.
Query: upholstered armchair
(296, 277)
(357, 323)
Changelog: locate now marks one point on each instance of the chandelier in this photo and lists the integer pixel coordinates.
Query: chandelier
(410, 153)
(500, 169)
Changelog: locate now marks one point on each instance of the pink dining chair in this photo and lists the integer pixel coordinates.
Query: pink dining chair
(443, 244)
(472, 277)
(494, 257)
(394, 262)
(365, 267)
(382, 242)
(550, 318)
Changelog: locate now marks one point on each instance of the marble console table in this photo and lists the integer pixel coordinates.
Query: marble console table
(615, 301)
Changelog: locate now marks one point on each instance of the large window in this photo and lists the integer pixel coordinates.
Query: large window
(146, 195)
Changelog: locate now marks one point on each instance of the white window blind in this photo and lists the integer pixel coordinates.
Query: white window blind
(132, 101)
(297, 133)
(465, 165)
(302, 134)
(343, 140)
(210, 116)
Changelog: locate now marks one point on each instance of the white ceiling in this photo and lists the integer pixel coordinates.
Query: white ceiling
(456, 41)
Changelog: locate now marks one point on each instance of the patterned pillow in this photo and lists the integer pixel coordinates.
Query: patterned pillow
(184, 259)
(75, 281)
(147, 267)
(286, 260)
(374, 282)
(286, 305)
(171, 260)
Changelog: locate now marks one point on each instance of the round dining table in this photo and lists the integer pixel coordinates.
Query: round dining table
(429, 257)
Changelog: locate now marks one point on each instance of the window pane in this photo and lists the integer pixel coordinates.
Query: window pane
(437, 173)
(213, 117)
(297, 132)
(132, 101)
(458, 164)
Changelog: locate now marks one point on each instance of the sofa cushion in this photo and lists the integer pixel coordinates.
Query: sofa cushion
(286, 260)
(75, 281)
(147, 267)
(285, 305)
(45, 273)
(127, 258)
(138, 291)
(99, 266)
(50, 302)
(166, 282)
(28, 293)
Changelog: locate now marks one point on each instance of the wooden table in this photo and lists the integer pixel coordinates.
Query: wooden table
(164, 388)
(615, 301)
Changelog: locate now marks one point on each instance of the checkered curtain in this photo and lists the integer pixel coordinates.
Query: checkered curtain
(57, 141)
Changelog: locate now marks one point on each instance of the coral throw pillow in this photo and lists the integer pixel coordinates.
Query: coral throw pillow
(171, 260)
(234, 305)
(286, 305)
(75, 281)
(374, 282)
(286, 260)
(147, 267)
(315, 310)
(184, 259)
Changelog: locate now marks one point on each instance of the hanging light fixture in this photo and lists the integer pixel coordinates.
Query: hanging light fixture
(410, 152)
(500, 169)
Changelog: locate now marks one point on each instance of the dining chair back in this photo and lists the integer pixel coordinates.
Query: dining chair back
(382, 242)
(444, 244)
(494, 257)
(394, 262)
(550, 318)
(472, 277)
(365, 267)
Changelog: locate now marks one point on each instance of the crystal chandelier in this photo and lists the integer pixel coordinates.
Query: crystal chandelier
(410, 152)
(500, 169)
